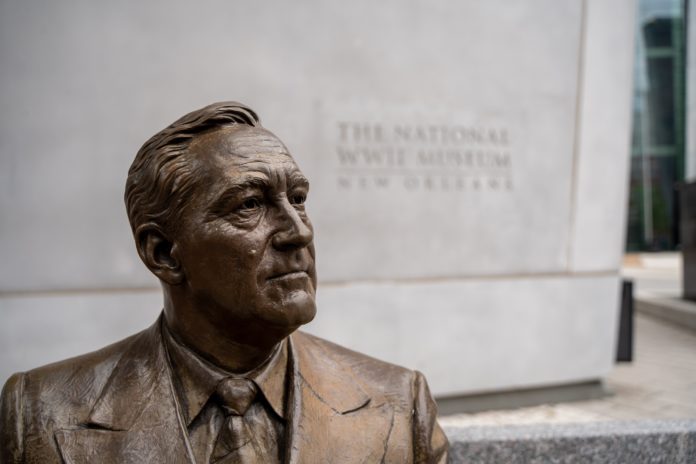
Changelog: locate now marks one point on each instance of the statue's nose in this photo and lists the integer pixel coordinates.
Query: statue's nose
(295, 230)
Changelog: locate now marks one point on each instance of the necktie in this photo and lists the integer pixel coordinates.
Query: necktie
(235, 441)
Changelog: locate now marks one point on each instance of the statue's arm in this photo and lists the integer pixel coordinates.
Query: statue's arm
(11, 421)
(430, 442)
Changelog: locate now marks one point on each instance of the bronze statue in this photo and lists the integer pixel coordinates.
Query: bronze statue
(217, 208)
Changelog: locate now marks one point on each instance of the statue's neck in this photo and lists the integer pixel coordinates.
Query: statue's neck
(235, 346)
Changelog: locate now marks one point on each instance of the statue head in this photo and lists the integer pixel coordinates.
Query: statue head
(217, 208)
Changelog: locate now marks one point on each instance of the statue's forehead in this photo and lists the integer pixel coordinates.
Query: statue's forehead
(240, 141)
(236, 153)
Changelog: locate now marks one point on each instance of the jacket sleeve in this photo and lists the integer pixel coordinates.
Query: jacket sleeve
(11, 421)
(430, 444)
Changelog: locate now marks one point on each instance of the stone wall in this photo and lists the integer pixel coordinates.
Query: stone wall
(468, 164)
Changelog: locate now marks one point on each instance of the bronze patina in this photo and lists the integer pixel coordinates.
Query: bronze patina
(217, 208)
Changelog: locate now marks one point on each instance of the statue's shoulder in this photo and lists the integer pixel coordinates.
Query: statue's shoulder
(73, 383)
(94, 363)
(371, 372)
(58, 396)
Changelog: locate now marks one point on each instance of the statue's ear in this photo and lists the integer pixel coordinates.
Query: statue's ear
(158, 253)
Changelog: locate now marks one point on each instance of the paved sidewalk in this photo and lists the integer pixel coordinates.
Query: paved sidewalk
(657, 281)
(654, 275)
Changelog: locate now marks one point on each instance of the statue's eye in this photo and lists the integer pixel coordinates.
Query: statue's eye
(250, 203)
(298, 199)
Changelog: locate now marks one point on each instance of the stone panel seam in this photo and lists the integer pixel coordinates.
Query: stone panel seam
(577, 136)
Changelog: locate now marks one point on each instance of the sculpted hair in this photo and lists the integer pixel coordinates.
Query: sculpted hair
(161, 176)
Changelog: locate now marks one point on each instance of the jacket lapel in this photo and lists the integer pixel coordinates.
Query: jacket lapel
(136, 418)
(331, 416)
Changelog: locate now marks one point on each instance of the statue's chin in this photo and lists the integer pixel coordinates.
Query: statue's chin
(298, 308)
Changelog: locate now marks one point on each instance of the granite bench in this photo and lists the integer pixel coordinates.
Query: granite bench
(634, 442)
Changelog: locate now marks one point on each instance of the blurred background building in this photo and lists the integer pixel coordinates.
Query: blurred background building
(661, 159)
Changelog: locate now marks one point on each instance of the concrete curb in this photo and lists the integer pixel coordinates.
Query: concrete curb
(674, 310)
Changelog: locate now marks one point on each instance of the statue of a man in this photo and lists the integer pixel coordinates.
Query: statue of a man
(217, 208)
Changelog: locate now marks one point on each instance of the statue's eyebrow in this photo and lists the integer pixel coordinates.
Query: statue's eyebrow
(296, 179)
(221, 206)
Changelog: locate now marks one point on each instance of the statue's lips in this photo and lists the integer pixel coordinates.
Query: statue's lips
(289, 275)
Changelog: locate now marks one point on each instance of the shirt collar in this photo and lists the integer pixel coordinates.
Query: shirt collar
(197, 378)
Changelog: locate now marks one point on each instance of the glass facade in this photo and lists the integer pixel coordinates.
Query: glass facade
(659, 99)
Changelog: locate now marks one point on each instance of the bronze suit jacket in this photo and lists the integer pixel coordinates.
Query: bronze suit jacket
(117, 405)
